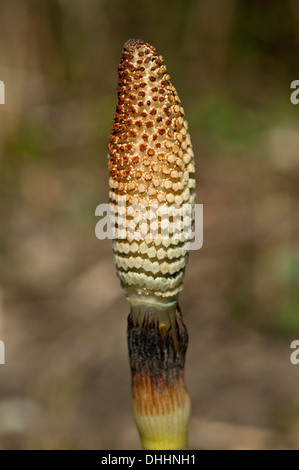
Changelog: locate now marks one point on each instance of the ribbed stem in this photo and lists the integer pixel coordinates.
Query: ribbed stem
(157, 342)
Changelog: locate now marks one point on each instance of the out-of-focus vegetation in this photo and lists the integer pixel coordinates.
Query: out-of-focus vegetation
(62, 312)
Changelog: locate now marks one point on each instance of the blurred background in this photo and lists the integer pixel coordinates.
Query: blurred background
(66, 382)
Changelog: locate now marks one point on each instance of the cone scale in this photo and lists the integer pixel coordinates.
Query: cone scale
(151, 164)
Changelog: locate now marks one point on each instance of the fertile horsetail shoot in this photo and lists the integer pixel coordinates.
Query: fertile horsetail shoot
(151, 165)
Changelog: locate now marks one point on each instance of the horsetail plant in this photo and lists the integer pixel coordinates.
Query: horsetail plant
(151, 164)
